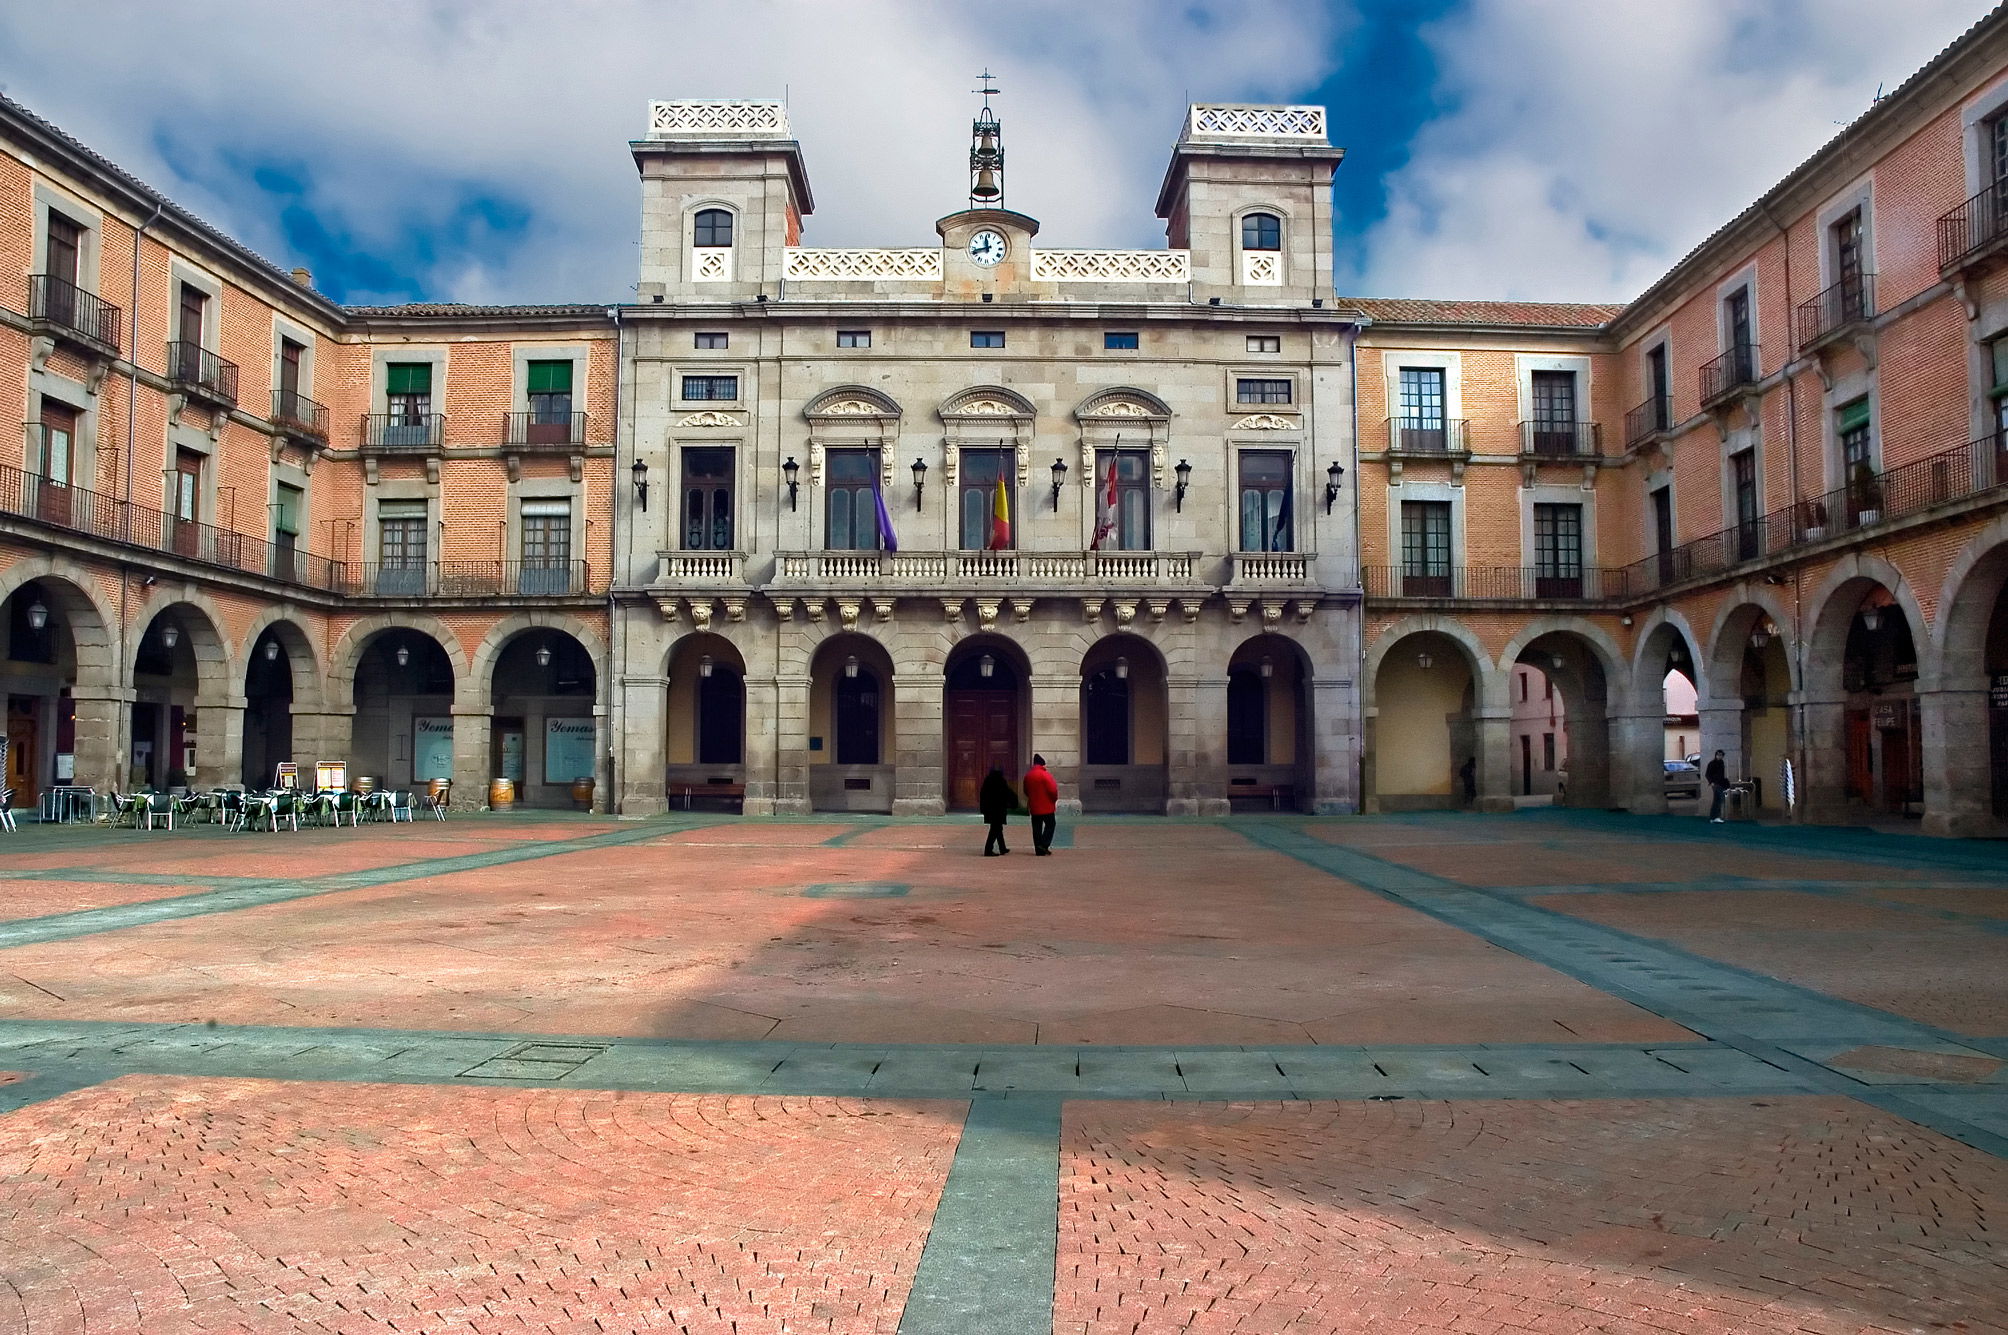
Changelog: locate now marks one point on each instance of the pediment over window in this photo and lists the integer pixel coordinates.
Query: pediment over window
(851, 401)
(1122, 404)
(987, 401)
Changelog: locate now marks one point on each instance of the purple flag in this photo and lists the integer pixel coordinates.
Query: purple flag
(887, 538)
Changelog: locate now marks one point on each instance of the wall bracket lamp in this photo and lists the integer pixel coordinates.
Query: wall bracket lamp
(919, 484)
(1332, 476)
(791, 470)
(640, 472)
(1059, 471)
(1184, 471)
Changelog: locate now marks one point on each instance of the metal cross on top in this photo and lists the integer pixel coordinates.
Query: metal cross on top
(986, 153)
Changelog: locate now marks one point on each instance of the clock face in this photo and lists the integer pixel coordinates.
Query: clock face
(986, 247)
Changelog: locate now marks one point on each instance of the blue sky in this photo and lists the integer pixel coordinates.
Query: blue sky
(443, 150)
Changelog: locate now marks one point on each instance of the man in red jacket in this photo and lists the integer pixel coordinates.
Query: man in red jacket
(1042, 799)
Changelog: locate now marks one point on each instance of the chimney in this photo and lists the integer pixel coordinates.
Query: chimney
(303, 277)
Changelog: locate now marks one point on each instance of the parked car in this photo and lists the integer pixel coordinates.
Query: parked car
(1682, 779)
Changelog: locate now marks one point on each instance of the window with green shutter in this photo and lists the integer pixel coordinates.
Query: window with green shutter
(551, 377)
(408, 390)
(550, 400)
(1851, 425)
(286, 510)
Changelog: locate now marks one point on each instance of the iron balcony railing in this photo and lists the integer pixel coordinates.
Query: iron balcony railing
(300, 414)
(1846, 303)
(403, 431)
(543, 428)
(99, 516)
(1497, 583)
(1973, 227)
(1561, 440)
(73, 311)
(468, 579)
(1426, 435)
(1648, 420)
(1729, 373)
(195, 368)
(1968, 470)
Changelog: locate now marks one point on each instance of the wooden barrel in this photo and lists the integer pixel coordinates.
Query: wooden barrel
(501, 795)
(365, 784)
(582, 794)
(437, 788)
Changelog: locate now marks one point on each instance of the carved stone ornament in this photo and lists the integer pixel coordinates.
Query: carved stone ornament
(1272, 612)
(850, 408)
(1190, 607)
(848, 611)
(986, 612)
(1024, 462)
(700, 613)
(951, 608)
(816, 610)
(984, 408)
(815, 464)
(1160, 460)
(784, 609)
(735, 610)
(882, 609)
(1091, 609)
(1237, 609)
(1158, 607)
(1264, 422)
(1121, 408)
(711, 417)
(949, 457)
(1304, 607)
(1021, 609)
(1125, 613)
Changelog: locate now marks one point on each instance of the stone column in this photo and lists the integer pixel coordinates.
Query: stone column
(473, 726)
(639, 765)
(323, 734)
(1722, 729)
(1495, 761)
(1209, 747)
(101, 741)
(920, 784)
(602, 766)
(1335, 749)
(1958, 763)
(1823, 782)
(777, 754)
(1181, 768)
(1056, 735)
(1639, 742)
(219, 742)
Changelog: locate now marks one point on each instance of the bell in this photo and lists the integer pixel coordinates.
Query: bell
(986, 143)
(986, 186)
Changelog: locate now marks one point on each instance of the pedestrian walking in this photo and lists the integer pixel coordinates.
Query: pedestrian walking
(1468, 772)
(1717, 775)
(1042, 800)
(995, 800)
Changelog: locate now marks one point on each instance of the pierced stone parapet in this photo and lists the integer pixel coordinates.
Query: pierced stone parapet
(730, 120)
(1240, 120)
(864, 265)
(1111, 266)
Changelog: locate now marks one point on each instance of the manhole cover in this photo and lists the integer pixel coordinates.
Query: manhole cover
(856, 890)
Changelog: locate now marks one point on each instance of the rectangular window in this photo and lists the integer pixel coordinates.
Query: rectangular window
(194, 311)
(1558, 551)
(1659, 387)
(1420, 417)
(707, 499)
(1997, 149)
(401, 547)
(287, 504)
(1548, 752)
(547, 546)
(713, 341)
(1132, 498)
(1743, 475)
(1119, 342)
(724, 388)
(1262, 391)
(1662, 530)
(986, 338)
(1265, 343)
(408, 390)
(290, 354)
(1425, 549)
(1554, 395)
(1523, 686)
(851, 501)
(1999, 392)
(184, 502)
(1736, 321)
(976, 501)
(549, 395)
(1851, 299)
(56, 450)
(66, 247)
(854, 338)
(1264, 496)
(1851, 425)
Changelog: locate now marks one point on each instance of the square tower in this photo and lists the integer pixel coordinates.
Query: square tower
(723, 193)
(1249, 194)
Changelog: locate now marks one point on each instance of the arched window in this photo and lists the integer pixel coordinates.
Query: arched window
(1247, 717)
(1105, 718)
(714, 228)
(1259, 231)
(721, 715)
(857, 711)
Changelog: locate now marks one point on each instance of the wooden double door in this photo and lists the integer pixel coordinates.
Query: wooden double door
(983, 730)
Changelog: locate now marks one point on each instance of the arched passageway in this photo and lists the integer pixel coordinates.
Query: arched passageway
(403, 733)
(38, 674)
(1270, 760)
(1966, 711)
(851, 725)
(1865, 734)
(542, 735)
(1577, 667)
(268, 708)
(177, 662)
(986, 715)
(1125, 726)
(1750, 684)
(704, 744)
(1424, 738)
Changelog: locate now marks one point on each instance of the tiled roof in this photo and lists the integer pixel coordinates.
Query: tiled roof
(1555, 314)
(462, 311)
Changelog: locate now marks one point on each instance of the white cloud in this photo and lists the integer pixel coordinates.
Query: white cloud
(399, 112)
(1587, 146)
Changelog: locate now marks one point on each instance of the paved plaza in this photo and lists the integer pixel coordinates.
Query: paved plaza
(1548, 1072)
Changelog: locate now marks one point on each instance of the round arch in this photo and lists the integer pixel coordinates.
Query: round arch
(1270, 753)
(1835, 603)
(1666, 639)
(1426, 685)
(704, 721)
(986, 710)
(399, 673)
(1973, 586)
(1863, 718)
(356, 639)
(541, 685)
(1966, 754)
(1736, 619)
(1491, 682)
(88, 621)
(472, 685)
(296, 646)
(1598, 758)
(853, 723)
(1124, 725)
(62, 680)
(197, 617)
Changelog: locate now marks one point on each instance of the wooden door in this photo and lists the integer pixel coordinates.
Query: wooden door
(21, 753)
(187, 486)
(982, 731)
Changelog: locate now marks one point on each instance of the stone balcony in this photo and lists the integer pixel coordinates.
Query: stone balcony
(926, 572)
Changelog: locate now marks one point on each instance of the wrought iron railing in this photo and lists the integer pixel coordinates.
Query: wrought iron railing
(543, 428)
(1973, 227)
(1561, 440)
(1730, 372)
(1426, 435)
(62, 303)
(300, 414)
(403, 431)
(1648, 420)
(99, 516)
(468, 579)
(1846, 303)
(1501, 583)
(194, 367)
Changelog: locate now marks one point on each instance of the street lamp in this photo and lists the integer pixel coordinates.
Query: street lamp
(851, 666)
(403, 656)
(1423, 660)
(38, 616)
(704, 666)
(640, 471)
(788, 471)
(1332, 476)
(1122, 669)
(985, 666)
(1059, 471)
(543, 655)
(1184, 471)
(1268, 667)
(170, 635)
(919, 480)
(271, 651)
(1872, 619)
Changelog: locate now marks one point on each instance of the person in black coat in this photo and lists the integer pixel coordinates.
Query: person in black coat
(995, 801)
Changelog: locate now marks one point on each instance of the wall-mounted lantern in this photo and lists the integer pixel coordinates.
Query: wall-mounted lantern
(38, 616)
(640, 472)
(919, 486)
(789, 470)
(1059, 471)
(1332, 476)
(1184, 471)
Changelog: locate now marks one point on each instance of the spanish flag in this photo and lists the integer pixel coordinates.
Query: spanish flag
(1000, 519)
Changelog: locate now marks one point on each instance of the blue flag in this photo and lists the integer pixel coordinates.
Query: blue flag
(887, 538)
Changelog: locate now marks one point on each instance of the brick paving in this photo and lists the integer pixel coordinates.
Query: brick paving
(1789, 1215)
(162, 1206)
(766, 1099)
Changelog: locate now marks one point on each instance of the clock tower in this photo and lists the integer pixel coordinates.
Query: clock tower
(987, 248)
